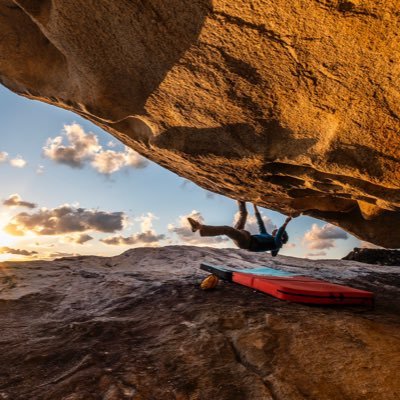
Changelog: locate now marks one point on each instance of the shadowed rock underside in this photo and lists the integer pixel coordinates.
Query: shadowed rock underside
(292, 105)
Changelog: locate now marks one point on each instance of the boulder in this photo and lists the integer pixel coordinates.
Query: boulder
(374, 256)
(138, 326)
(294, 106)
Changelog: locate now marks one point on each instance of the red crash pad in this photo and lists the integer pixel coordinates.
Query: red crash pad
(303, 289)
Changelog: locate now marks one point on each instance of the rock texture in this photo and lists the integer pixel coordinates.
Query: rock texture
(374, 256)
(292, 105)
(137, 326)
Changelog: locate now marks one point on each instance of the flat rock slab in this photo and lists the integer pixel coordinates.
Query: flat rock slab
(137, 326)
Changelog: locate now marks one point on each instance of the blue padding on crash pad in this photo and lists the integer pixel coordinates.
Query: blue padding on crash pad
(265, 271)
(226, 272)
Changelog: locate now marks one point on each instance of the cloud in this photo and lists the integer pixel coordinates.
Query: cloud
(79, 239)
(134, 159)
(322, 238)
(184, 233)
(65, 219)
(146, 221)
(40, 169)
(318, 254)
(147, 237)
(18, 162)
(210, 195)
(185, 184)
(251, 223)
(110, 161)
(3, 156)
(60, 254)
(289, 245)
(15, 201)
(84, 148)
(144, 238)
(19, 252)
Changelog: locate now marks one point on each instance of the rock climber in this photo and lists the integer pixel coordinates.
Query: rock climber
(262, 241)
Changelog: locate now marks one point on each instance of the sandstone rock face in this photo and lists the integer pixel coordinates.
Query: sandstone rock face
(137, 326)
(292, 105)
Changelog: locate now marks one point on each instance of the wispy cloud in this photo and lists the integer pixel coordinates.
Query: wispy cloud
(289, 245)
(79, 239)
(84, 148)
(185, 183)
(58, 254)
(19, 252)
(251, 223)
(18, 162)
(146, 221)
(144, 238)
(65, 219)
(147, 236)
(323, 238)
(15, 201)
(3, 156)
(317, 254)
(109, 161)
(210, 195)
(184, 233)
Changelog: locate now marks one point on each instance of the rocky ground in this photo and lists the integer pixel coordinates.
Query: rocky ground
(137, 326)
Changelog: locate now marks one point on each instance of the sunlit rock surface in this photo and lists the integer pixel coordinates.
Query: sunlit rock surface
(137, 326)
(292, 105)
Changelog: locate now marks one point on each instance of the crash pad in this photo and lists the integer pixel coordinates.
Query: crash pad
(293, 287)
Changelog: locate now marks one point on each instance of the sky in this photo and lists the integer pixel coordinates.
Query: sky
(69, 188)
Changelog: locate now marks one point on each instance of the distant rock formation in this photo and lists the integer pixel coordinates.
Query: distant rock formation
(292, 105)
(374, 256)
(138, 326)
